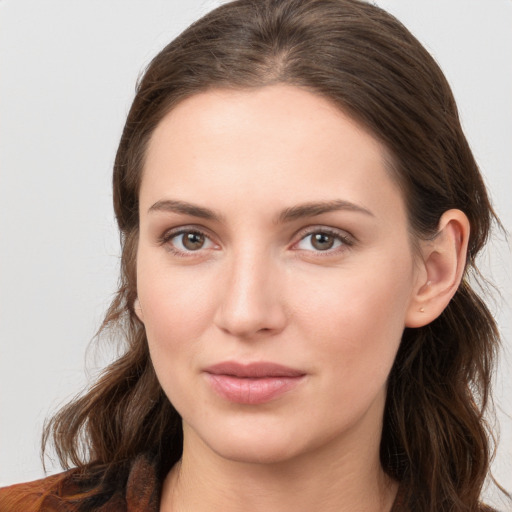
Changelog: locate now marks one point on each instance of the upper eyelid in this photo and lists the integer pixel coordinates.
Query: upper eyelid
(346, 243)
(172, 232)
(169, 234)
(307, 229)
(342, 233)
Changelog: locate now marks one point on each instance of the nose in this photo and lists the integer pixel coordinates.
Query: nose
(251, 302)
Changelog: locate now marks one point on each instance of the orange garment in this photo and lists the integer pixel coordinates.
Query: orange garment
(67, 492)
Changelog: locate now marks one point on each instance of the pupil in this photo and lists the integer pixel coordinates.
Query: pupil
(193, 241)
(322, 241)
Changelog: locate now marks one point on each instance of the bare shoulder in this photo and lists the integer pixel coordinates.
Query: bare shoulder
(40, 495)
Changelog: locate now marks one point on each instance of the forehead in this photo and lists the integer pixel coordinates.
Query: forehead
(268, 114)
(277, 142)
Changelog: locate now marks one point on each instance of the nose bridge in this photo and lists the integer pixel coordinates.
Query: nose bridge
(252, 298)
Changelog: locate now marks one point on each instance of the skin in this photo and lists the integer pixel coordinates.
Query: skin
(258, 289)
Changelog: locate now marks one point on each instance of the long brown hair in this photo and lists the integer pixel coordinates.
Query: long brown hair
(435, 440)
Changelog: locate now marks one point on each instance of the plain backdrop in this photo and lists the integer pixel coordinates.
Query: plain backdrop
(67, 75)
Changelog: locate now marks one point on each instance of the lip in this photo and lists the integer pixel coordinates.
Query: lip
(253, 383)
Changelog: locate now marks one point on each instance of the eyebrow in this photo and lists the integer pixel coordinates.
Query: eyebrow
(185, 208)
(317, 208)
(292, 213)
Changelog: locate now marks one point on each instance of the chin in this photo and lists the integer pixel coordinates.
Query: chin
(266, 451)
(258, 442)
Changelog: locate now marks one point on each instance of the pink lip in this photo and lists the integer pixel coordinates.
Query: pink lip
(254, 383)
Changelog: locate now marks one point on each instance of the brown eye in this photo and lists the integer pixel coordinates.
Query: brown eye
(322, 241)
(186, 242)
(193, 241)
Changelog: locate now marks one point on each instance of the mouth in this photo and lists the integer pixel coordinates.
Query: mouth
(253, 383)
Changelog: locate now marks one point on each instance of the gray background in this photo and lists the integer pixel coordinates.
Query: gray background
(67, 75)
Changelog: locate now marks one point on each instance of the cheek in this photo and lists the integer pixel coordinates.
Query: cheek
(175, 304)
(174, 317)
(356, 319)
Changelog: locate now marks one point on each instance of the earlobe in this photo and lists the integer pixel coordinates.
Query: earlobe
(443, 264)
(138, 310)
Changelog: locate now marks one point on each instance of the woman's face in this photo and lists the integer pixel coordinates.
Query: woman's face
(274, 271)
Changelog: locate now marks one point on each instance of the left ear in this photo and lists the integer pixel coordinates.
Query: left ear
(443, 260)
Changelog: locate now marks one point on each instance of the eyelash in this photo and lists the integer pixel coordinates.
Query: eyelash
(346, 240)
(166, 238)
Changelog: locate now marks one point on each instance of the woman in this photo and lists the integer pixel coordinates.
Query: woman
(299, 212)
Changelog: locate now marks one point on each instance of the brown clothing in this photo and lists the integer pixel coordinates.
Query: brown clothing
(65, 492)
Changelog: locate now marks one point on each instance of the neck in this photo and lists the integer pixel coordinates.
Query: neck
(341, 477)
